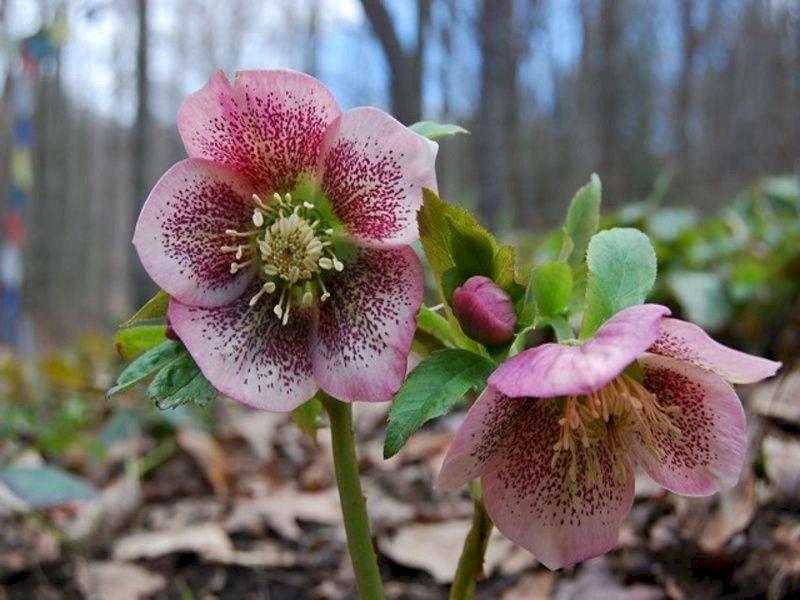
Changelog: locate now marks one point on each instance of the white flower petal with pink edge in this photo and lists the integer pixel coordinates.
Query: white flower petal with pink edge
(181, 230)
(552, 370)
(365, 329)
(710, 451)
(268, 125)
(373, 170)
(247, 354)
(561, 519)
(689, 342)
(479, 439)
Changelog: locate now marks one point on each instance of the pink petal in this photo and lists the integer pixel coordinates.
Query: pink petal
(365, 328)
(552, 370)
(373, 171)
(687, 341)
(479, 438)
(538, 505)
(182, 227)
(268, 125)
(710, 453)
(246, 353)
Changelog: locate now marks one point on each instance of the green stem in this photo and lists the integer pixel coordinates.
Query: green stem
(354, 508)
(470, 565)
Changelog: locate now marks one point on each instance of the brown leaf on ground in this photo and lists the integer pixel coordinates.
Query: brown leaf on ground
(778, 398)
(209, 541)
(534, 586)
(209, 456)
(108, 511)
(281, 509)
(436, 547)
(257, 428)
(734, 513)
(781, 460)
(117, 581)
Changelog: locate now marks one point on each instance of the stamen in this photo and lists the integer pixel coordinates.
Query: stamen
(258, 218)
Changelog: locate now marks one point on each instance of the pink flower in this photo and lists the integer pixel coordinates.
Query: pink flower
(484, 310)
(556, 434)
(284, 240)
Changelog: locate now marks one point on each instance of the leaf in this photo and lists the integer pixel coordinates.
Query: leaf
(436, 326)
(622, 271)
(431, 390)
(702, 297)
(433, 130)
(583, 218)
(46, 486)
(133, 341)
(551, 288)
(146, 365)
(307, 417)
(155, 308)
(180, 382)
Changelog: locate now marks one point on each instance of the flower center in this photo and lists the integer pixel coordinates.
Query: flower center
(621, 408)
(293, 247)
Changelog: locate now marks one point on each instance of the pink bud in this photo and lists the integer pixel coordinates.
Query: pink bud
(484, 310)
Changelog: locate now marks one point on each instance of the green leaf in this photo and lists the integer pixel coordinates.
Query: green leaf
(702, 297)
(122, 425)
(583, 218)
(436, 325)
(155, 308)
(433, 130)
(180, 382)
(551, 288)
(431, 390)
(146, 365)
(46, 486)
(622, 271)
(307, 417)
(133, 341)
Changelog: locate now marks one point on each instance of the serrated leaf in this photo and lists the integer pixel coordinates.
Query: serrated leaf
(46, 486)
(180, 382)
(146, 365)
(583, 218)
(433, 130)
(622, 271)
(133, 341)
(431, 390)
(155, 308)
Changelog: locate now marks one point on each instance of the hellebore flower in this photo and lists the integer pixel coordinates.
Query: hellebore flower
(484, 310)
(556, 434)
(283, 240)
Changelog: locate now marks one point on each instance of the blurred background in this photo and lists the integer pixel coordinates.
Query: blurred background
(688, 109)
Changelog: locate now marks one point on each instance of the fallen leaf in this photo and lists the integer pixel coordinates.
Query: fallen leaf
(781, 459)
(109, 510)
(533, 586)
(734, 513)
(209, 456)
(117, 581)
(436, 547)
(209, 541)
(777, 399)
(258, 429)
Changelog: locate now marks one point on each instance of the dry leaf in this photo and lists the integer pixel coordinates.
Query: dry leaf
(117, 581)
(534, 586)
(209, 541)
(109, 510)
(734, 513)
(781, 461)
(777, 399)
(435, 548)
(209, 455)
(258, 430)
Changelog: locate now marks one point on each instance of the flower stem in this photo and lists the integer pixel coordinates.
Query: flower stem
(470, 565)
(354, 508)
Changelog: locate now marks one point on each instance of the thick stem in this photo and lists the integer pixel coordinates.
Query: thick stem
(354, 508)
(470, 565)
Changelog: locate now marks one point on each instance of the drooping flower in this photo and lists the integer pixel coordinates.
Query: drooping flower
(283, 240)
(484, 310)
(556, 435)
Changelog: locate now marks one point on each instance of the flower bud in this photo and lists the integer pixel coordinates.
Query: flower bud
(484, 310)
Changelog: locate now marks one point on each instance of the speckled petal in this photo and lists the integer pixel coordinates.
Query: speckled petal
(709, 454)
(480, 437)
(268, 125)
(182, 227)
(247, 354)
(552, 370)
(535, 503)
(687, 341)
(365, 328)
(373, 171)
